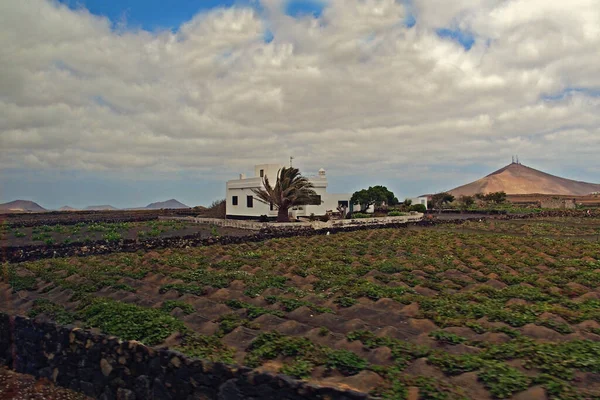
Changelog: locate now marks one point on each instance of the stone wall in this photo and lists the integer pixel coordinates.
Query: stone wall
(74, 217)
(106, 368)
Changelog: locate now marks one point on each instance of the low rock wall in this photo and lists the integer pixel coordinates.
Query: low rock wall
(106, 368)
(22, 220)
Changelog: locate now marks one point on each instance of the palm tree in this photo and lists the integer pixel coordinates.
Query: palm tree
(291, 189)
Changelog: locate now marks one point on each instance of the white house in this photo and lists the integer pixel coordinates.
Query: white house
(419, 200)
(242, 203)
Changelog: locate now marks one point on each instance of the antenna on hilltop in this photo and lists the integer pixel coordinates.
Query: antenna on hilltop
(513, 159)
(517, 159)
(291, 158)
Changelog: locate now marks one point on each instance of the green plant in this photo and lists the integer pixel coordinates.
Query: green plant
(361, 215)
(502, 380)
(54, 311)
(324, 331)
(345, 301)
(298, 369)
(170, 305)
(396, 214)
(346, 362)
(183, 288)
(446, 337)
(131, 322)
(205, 347)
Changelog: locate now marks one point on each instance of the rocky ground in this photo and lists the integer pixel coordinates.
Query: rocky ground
(15, 386)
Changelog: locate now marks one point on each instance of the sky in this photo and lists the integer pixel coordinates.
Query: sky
(130, 102)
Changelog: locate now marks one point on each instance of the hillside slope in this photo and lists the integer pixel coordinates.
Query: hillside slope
(166, 204)
(520, 179)
(20, 206)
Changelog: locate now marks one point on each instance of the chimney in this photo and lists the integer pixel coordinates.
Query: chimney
(242, 176)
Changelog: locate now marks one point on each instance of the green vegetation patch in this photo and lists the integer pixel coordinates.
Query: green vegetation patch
(131, 322)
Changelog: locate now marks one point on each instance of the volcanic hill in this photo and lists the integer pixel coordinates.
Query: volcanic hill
(166, 204)
(21, 206)
(517, 178)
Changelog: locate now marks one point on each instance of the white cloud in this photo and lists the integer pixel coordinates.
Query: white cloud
(354, 90)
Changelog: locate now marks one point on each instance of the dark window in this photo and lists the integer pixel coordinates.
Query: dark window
(249, 201)
(271, 206)
(234, 200)
(262, 173)
(343, 203)
(315, 200)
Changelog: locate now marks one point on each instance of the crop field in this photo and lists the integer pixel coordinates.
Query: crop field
(490, 310)
(90, 232)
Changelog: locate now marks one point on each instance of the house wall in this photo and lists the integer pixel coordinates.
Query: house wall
(419, 200)
(243, 188)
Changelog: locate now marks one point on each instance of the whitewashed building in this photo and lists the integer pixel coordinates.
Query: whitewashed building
(242, 203)
(419, 200)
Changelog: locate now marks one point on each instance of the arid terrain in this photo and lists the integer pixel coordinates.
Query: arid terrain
(492, 309)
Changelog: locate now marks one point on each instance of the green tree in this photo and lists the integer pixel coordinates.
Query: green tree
(466, 202)
(374, 195)
(438, 200)
(291, 189)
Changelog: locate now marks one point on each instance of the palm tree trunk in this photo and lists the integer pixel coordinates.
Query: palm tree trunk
(283, 215)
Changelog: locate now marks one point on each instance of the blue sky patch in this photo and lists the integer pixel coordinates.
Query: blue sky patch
(465, 39)
(570, 91)
(268, 36)
(152, 15)
(301, 8)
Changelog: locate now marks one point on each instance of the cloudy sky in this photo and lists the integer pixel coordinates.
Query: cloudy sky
(132, 101)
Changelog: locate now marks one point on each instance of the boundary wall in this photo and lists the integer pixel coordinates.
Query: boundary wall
(106, 368)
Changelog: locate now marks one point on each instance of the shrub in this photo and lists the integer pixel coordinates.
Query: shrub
(418, 208)
(396, 214)
(360, 215)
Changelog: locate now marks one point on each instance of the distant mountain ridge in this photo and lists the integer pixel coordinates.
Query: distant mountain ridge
(68, 208)
(172, 203)
(104, 207)
(21, 206)
(517, 178)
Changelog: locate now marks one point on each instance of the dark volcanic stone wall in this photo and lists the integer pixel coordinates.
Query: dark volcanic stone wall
(106, 368)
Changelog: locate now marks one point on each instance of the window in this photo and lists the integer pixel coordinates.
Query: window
(343, 203)
(271, 206)
(249, 201)
(234, 200)
(262, 173)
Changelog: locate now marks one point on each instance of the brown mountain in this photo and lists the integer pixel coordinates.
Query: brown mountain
(21, 206)
(166, 204)
(520, 179)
